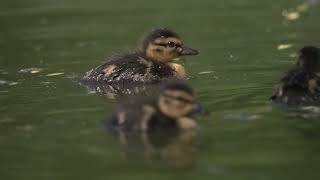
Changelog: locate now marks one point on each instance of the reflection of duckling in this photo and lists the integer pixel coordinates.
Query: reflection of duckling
(301, 86)
(173, 108)
(177, 149)
(150, 64)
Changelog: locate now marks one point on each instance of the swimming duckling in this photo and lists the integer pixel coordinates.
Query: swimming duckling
(152, 63)
(173, 108)
(301, 85)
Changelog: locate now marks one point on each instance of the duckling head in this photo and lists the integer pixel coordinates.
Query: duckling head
(165, 45)
(178, 100)
(309, 59)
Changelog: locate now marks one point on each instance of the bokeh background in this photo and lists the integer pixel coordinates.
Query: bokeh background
(50, 126)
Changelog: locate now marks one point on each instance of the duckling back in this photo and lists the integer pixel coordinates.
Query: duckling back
(132, 68)
(301, 85)
(297, 88)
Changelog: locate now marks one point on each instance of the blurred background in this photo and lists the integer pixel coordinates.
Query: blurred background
(50, 127)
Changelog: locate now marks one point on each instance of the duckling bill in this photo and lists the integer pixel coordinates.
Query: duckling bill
(173, 108)
(151, 63)
(301, 85)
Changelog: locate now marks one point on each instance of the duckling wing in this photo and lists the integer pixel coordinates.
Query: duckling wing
(110, 70)
(138, 70)
(129, 68)
(298, 87)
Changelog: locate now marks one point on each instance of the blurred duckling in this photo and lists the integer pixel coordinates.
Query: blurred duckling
(177, 149)
(301, 85)
(152, 63)
(173, 108)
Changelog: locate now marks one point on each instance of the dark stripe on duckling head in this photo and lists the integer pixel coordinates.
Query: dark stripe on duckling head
(309, 59)
(179, 86)
(176, 99)
(179, 96)
(158, 33)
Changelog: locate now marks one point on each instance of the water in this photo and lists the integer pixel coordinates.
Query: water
(50, 127)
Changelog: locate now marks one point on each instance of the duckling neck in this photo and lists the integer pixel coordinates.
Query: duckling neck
(180, 71)
(164, 109)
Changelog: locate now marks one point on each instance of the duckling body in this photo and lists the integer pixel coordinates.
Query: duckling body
(154, 113)
(141, 116)
(130, 68)
(298, 88)
(152, 63)
(301, 85)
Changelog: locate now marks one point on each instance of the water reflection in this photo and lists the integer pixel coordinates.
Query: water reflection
(120, 90)
(176, 149)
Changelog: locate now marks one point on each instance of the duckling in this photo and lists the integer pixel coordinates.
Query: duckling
(301, 85)
(151, 63)
(173, 108)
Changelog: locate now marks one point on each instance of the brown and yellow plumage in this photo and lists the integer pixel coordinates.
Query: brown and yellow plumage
(301, 85)
(152, 63)
(171, 109)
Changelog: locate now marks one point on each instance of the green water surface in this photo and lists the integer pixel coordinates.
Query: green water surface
(50, 127)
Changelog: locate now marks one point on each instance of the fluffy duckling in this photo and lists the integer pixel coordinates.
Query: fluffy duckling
(173, 108)
(301, 85)
(152, 63)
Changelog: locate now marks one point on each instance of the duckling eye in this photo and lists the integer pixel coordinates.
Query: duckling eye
(183, 100)
(179, 98)
(171, 44)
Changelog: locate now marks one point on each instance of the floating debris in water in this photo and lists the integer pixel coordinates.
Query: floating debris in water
(2, 82)
(303, 7)
(26, 128)
(55, 74)
(6, 120)
(284, 46)
(4, 73)
(241, 117)
(293, 55)
(13, 83)
(206, 72)
(215, 77)
(37, 48)
(82, 44)
(291, 15)
(312, 109)
(310, 115)
(66, 111)
(31, 70)
(92, 92)
(294, 14)
(45, 82)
